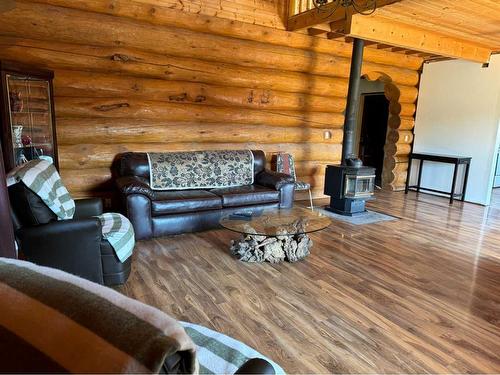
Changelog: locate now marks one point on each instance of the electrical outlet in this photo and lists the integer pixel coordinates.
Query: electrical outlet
(327, 134)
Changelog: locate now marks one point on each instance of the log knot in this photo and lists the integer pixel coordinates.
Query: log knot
(250, 97)
(110, 107)
(120, 57)
(264, 98)
(178, 98)
(200, 98)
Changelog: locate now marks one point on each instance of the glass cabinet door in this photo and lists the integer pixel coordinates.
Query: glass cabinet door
(30, 118)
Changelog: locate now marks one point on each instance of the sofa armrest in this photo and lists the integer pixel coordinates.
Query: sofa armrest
(86, 208)
(273, 180)
(73, 246)
(128, 185)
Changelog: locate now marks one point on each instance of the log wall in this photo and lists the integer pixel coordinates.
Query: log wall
(134, 75)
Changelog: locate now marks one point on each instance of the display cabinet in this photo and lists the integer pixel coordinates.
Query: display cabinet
(28, 122)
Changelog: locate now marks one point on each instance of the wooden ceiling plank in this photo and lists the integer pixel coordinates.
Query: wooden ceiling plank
(329, 14)
(468, 26)
(402, 35)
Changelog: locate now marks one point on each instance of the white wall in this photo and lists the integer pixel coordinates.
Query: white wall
(459, 113)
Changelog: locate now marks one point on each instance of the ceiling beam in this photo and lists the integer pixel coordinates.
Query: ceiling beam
(313, 31)
(388, 31)
(328, 14)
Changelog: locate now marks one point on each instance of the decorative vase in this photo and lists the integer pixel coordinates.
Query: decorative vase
(18, 135)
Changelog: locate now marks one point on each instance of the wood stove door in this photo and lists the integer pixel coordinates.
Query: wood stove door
(373, 132)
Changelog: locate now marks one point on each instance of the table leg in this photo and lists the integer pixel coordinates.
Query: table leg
(420, 167)
(453, 183)
(466, 178)
(273, 249)
(408, 175)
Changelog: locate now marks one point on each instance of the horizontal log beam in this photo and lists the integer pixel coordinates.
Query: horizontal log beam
(398, 34)
(74, 26)
(154, 110)
(90, 156)
(402, 109)
(401, 122)
(71, 131)
(140, 64)
(163, 15)
(99, 85)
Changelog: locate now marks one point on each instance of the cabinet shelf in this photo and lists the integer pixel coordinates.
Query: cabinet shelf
(35, 145)
(28, 112)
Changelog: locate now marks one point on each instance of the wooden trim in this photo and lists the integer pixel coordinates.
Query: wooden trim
(397, 34)
(7, 248)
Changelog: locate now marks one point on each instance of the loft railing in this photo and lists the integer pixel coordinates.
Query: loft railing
(301, 6)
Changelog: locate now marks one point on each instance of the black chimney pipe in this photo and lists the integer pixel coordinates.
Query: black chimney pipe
(351, 111)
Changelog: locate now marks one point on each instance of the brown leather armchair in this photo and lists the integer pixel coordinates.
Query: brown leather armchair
(158, 213)
(75, 246)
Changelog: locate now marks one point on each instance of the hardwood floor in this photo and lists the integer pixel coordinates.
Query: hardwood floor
(419, 294)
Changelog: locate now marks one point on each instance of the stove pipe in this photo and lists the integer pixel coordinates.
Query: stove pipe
(351, 111)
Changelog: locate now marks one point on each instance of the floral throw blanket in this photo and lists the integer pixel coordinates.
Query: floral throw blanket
(200, 169)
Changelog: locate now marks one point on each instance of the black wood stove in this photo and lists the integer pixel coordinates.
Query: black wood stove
(350, 184)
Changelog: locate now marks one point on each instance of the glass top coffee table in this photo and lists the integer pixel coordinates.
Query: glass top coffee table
(274, 235)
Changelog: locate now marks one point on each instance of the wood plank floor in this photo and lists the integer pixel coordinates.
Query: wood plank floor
(419, 294)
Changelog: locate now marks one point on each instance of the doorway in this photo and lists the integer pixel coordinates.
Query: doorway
(374, 117)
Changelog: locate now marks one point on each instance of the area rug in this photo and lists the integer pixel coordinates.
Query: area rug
(221, 354)
(369, 217)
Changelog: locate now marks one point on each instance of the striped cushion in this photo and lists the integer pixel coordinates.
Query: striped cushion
(221, 354)
(119, 232)
(57, 322)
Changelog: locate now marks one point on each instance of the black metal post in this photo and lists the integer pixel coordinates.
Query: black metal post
(351, 111)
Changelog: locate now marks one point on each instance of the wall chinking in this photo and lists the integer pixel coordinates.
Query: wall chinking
(136, 76)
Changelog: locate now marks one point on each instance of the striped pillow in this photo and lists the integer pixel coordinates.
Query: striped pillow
(57, 322)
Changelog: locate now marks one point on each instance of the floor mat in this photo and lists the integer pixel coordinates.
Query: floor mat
(368, 217)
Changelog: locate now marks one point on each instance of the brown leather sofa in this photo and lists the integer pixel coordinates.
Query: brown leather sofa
(159, 213)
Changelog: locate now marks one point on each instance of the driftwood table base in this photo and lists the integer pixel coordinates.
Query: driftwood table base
(274, 249)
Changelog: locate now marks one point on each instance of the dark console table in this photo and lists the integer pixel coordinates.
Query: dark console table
(449, 159)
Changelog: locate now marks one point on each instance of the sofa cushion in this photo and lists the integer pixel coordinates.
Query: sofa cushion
(246, 195)
(171, 202)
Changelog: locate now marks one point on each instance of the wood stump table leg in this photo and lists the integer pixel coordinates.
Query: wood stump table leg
(273, 249)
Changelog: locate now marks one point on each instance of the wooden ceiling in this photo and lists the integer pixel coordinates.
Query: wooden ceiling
(434, 29)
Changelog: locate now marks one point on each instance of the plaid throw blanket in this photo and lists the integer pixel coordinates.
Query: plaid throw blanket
(200, 169)
(42, 178)
(55, 322)
(220, 354)
(119, 232)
